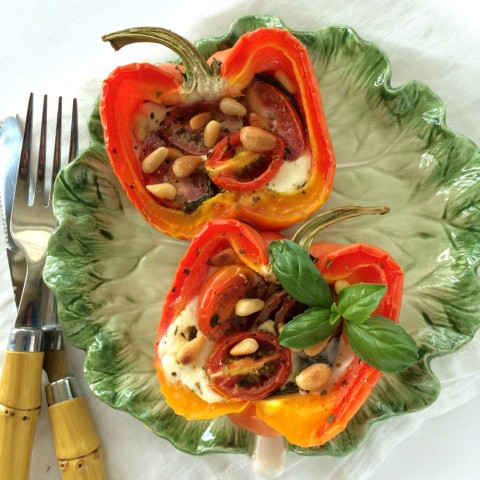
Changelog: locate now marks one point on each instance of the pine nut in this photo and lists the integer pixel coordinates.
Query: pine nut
(268, 326)
(184, 166)
(200, 120)
(317, 348)
(152, 161)
(140, 126)
(247, 306)
(230, 106)
(313, 377)
(174, 153)
(284, 80)
(191, 350)
(255, 101)
(165, 191)
(245, 347)
(340, 285)
(211, 132)
(255, 139)
(255, 120)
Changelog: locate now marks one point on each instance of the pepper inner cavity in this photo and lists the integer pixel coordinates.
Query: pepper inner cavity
(261, 113)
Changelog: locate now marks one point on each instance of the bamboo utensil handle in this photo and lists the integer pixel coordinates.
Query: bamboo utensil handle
(20, 400)
(77, 444)
(88, 467)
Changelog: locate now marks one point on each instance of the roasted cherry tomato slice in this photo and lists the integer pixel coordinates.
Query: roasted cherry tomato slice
(276, 109)
(231, 167)
(249, 377)
(219, 295)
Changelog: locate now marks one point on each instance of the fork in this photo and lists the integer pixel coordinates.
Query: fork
(32, 221)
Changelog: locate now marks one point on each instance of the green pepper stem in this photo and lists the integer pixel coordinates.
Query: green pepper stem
(305, 234)
(198, 73)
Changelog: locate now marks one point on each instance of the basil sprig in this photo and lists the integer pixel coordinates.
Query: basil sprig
(298, 275)
(378, 341)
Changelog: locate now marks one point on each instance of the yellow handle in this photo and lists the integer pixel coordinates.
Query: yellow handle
(77, 444)
(20, 400)
(88, 467)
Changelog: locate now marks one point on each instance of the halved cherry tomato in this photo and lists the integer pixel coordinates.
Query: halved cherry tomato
(231, 167)
(219, 295)
(248, 377)
(271, 104)
(193, 270)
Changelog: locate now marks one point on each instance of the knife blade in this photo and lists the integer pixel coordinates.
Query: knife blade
(10, 147)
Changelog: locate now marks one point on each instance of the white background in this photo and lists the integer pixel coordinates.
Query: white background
(55, 47)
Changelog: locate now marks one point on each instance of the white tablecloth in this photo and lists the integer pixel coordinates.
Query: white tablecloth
(54, 47)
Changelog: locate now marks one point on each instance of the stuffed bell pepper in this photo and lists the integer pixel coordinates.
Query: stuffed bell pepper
(256, 328)
(241, 135)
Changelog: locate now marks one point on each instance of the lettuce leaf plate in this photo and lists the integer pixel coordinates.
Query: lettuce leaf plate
(110, 270)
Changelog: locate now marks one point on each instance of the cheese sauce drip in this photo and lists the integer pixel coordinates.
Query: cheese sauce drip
(292, 176)
(193, 374)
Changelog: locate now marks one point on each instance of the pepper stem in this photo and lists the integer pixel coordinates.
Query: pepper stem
(198, 73)
(305, 234)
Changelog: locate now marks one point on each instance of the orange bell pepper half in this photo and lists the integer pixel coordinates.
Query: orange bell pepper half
(200, 85)
(313, 418)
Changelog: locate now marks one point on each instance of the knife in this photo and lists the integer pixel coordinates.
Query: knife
(77, 445)
(21, 376)
(10, 148)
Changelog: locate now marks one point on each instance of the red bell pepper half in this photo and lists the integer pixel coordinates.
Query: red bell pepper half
(176, 138)
(228, 261)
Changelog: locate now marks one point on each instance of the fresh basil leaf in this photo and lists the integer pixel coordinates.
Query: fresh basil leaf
(334, 314)
(307, 329)
(297, 274)
(382, 344)
(357, 302)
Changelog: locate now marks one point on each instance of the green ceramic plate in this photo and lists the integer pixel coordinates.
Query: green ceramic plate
(110, 270)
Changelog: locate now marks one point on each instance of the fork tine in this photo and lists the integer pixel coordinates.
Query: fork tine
(57, 153)
(25, 155)
(43, 142)
(73, 133)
